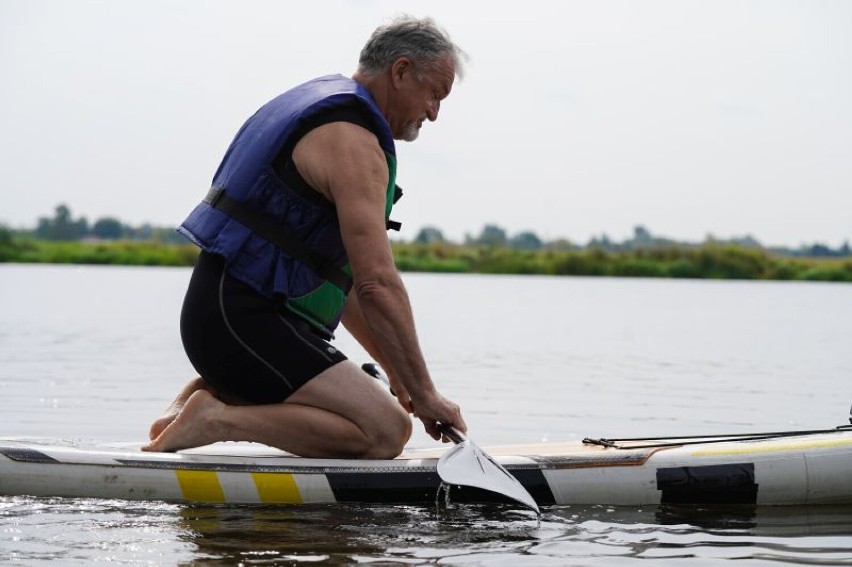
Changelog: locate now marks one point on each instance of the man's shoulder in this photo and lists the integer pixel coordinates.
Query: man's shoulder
(345, 134)
(328, 85)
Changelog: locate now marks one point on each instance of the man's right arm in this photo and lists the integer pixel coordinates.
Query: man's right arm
(345, 163)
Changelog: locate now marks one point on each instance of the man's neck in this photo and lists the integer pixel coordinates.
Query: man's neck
(376, 85)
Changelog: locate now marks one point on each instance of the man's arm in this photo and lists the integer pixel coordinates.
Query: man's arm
(345, 163)
(354, 322)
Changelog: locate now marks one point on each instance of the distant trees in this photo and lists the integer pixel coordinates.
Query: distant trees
(492, 236)
(642, 236)
(526, 240)
(62, 226)
(823, 251)
(5, 235)
(108, 228)
(429, 235)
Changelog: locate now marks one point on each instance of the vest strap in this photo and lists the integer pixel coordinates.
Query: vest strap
(277, 235)
(397, 195)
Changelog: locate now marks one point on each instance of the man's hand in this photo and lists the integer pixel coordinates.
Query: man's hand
(438, 409)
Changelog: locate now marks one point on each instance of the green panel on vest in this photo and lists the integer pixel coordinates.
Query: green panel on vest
(322, 305)
(391, 183)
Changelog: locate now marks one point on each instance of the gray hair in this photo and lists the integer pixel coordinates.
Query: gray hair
(421, 40)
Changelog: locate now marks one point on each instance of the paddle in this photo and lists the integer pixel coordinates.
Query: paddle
(466, 464)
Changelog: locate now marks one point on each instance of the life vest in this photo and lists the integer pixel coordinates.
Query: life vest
(280, 237)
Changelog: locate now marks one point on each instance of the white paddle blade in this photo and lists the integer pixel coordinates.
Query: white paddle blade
(466, 464)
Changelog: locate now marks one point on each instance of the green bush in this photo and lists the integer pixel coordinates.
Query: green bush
(113, 252)
(828, 273)
(627, 266)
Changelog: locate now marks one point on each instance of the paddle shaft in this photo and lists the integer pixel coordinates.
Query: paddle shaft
(451, 433)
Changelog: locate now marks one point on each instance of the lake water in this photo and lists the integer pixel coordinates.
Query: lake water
(93, 353)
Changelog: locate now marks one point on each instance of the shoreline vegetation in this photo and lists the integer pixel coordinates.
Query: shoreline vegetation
(707, 261)
(63, 239)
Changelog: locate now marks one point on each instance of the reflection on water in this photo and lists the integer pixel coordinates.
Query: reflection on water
(150, 533)
(78, 531)
(94, 353)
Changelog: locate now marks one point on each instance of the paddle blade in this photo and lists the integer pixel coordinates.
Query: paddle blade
(466, 464)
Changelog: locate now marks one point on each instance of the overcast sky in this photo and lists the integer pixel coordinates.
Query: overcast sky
(574, 118)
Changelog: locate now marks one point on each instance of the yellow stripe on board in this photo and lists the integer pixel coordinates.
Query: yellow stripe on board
(773, 447)
(277, 488)
(200, 486)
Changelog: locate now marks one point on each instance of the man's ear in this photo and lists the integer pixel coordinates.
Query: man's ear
(400, 70)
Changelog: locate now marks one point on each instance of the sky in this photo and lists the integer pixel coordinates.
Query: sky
(574, 119)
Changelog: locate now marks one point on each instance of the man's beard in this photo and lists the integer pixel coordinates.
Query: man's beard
(412, 130)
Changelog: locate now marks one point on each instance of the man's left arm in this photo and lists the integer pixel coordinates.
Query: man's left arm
(357, 326)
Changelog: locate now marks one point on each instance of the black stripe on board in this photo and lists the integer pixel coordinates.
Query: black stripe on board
(26, 455)
(259, 466)
(422, 488)
(710, 484)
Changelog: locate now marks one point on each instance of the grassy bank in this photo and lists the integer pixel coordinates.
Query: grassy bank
(706, 262)
(121, 252)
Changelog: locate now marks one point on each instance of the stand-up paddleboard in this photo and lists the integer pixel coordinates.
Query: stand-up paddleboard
(786, 468)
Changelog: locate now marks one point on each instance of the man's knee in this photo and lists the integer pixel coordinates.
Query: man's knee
(390, 435)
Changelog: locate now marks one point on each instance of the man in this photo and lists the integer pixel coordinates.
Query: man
(293, 238)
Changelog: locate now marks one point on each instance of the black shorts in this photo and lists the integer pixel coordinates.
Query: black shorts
(242, 343)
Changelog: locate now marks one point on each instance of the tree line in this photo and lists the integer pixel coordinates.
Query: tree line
(493, 236)
(64, 227)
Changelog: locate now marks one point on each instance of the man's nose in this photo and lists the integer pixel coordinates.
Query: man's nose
(432, 111)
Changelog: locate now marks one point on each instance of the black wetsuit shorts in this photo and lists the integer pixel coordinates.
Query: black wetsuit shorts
(244, 344)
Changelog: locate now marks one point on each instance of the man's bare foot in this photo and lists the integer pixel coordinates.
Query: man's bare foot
(161, 423)
(193, 426)
(174, 408)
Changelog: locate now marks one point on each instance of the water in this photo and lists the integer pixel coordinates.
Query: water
(93, 353)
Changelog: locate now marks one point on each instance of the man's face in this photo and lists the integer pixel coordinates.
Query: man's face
(418, 97)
